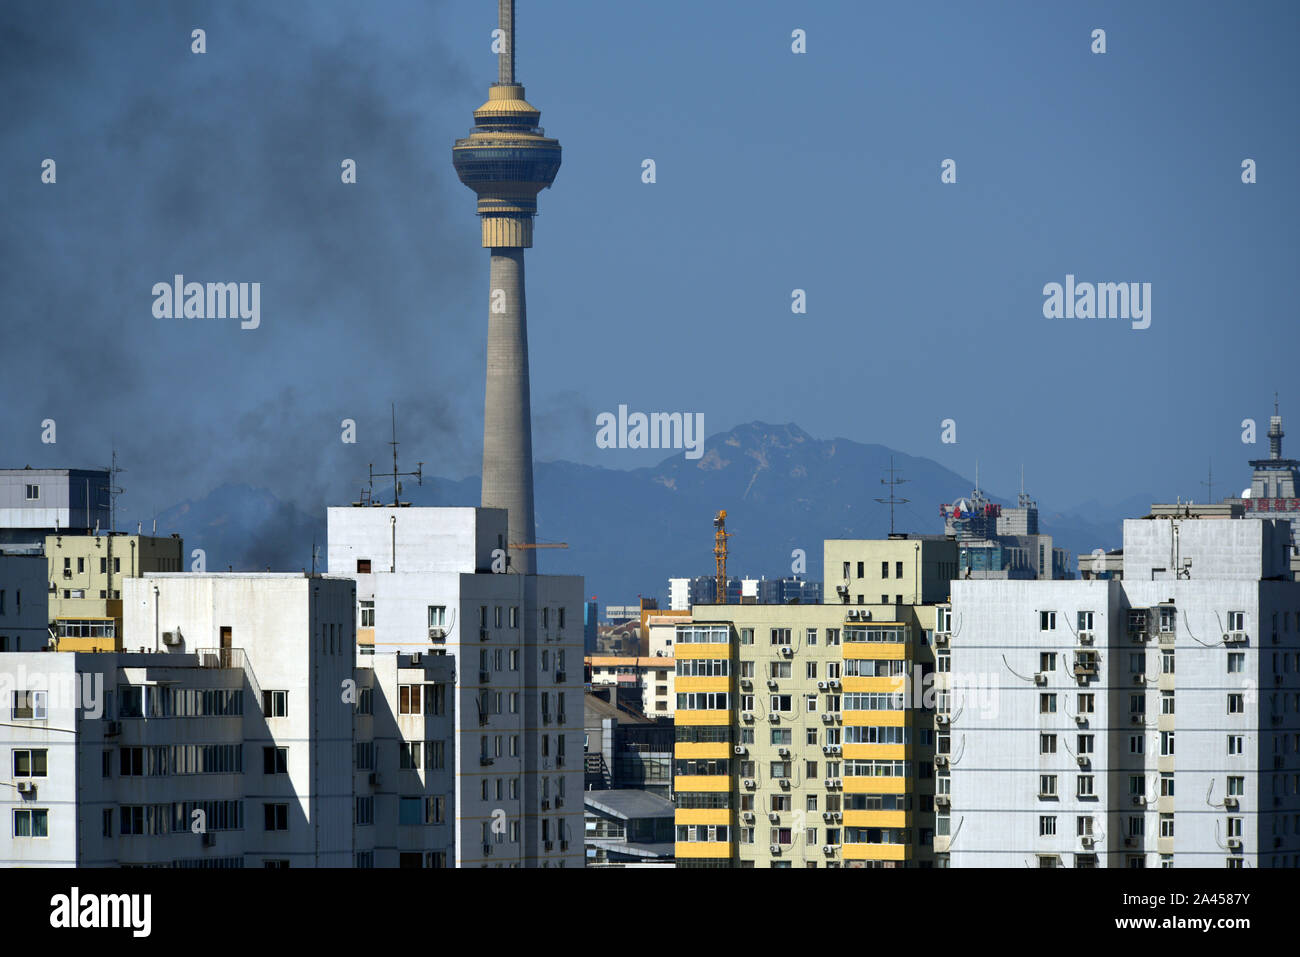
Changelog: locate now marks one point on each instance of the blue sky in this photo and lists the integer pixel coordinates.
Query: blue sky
(775, 171)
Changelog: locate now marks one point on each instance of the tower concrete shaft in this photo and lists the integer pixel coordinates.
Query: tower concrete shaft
(507, 415)
(507, 159)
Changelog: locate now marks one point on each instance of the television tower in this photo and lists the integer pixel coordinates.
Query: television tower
(507, 159)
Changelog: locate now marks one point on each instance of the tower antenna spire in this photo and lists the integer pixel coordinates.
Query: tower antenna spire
(1210, 484)
(506, 58)
(397, 482)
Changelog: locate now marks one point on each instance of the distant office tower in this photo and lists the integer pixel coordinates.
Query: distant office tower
(507, 160)
(1138, 721)
(999, 542)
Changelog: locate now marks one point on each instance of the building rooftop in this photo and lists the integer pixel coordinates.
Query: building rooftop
(628, 803)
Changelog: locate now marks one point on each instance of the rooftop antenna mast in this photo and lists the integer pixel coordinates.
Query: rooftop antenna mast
(113, 492)
(892, 500)
(1210, 484)
(397, 482)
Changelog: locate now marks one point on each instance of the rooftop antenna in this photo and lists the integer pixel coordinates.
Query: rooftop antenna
(1210, 484)
(397, 483)
(113, 492)
(892, 500)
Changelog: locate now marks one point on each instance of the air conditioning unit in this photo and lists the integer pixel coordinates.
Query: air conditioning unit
(835, 814)
(941, 719)
(834, 683)
(1235, 637)
(1080, 719)
(784, 782)
(839, 782)
(1086, 840)
(1140, 678)
(835, 749)
(1085, 637)
(940, 639)
(774, 716)
(826, 816)
(826, 749)
(437, 634)
(171, 637)
(942, 800)
(747, 716)
(1139, 800)
(830, 783)
(748, 817)
(740, 749)
(1230, 803)
(827, 717)
(1138, 718)
(783, 752)
(774, 848)
(771, 683)
(746, 684)
(1234, 844)
(1083, 760)
(940, 761)
(749, 784)
(26, 787)
(841, 589)
(1130, 842)
(1040, 678)
(828, 849)
(821, 686)
(787, 652)
(209, 839)
(774, 817)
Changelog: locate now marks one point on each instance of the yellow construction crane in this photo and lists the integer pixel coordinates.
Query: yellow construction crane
(720, 553)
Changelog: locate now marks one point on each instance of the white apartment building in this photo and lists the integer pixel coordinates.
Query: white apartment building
(1152, 721)
(234, 731)
(430, 581)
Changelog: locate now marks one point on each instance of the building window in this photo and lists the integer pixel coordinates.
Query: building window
(1046, 825)
(1047, 703)
(1236, 704)
(276, 817)
(29, 764)
(1047, 744)
(275, 704)
(1047, 785)
(31, 822)
(275, 760)
(33, 493)
(1047, 621)
(363, 566)
(29, 706)
(367, 614)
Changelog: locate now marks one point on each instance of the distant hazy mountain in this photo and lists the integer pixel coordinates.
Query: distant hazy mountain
(629, 530)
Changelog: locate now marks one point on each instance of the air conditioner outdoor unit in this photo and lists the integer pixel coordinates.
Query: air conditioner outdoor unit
(1130, 842)
(828, 849)
(747, 716)
(774, 848)
(834, 682)
(1040, 678)
(747, 817)
(740, 749)
(1083, 760)
(1139, 718)
(826, 816)
(826, 749)
(940, 761)
(827, 717)
(787, 652)
(830, 783)
(26, 787)
(1140, 678)
(1235, 637)
(437, 634)
(1086, 841)
(835, 814)
(1085, 637)
(942, 800)
(784, 752)
(774, 817)
(1234, 844)
(171, 637)
(839, 782)
(771, 683)
(941, 719)
(749, 783)
(841, 589)
(774, 716)
(821, 686)
(1139, 800)
(784, 782)
(1081, 718)
(1230, 803)
(746, 684)
(835, 749)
